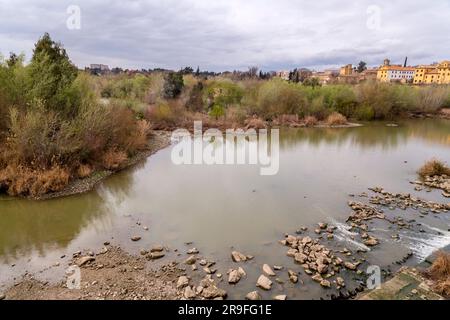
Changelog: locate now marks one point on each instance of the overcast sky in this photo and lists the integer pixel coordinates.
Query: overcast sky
(233, 34)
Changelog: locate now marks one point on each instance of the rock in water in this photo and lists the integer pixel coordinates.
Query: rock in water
(371, 242)
(234, 276)
(264, 282)
(280, 297)
(156, 255)
(293, 276)
(340, 282)
(350, 266)
(268, 270)
(135, 238)
(300, 258)
(254, 295)
(157, 248)
(238, 257)
(191, 260)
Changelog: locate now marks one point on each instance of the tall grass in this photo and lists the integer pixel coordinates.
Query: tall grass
(432, 168)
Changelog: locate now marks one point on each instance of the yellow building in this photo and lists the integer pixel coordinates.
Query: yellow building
(426, 74)
(346, 70)
(436, 73)
(443, 70)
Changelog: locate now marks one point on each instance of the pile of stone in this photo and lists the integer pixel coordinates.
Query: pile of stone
(362, 212)
(207, 289)
(439, 182)
(405, 200)
(317, 261)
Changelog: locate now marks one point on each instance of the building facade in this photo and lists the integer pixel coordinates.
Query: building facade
(443, 70)
(433, 74)
(395, 73)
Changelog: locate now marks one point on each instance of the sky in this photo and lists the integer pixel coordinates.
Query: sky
(219, 35)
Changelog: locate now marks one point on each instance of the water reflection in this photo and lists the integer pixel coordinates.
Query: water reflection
(371, 135)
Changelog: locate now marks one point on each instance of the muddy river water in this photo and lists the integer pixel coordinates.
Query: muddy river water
(221, 207)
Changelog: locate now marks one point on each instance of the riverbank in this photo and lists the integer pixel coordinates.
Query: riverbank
(157, 140)
(160, 139)
(110, 274)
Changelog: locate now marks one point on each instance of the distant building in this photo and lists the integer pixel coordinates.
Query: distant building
(326, 77)
(346, 70)
(433, 74)
(99, 69)
(369, 74)
(444, 72)
(395, 73)
(283, 74)
(426, 74)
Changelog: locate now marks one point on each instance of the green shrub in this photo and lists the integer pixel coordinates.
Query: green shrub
(222, 92)
(277, 97)
(173, 85)
(217, 111)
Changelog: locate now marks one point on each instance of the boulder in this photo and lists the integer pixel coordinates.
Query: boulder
(268, 270)
(254, 295)
(234, 276)
(325, 283)
(157, 248)
(190, 260)
(300, 258)
(83, 260)
(212, 292)
(156, 255)
(238, 257)
(182, 282)
(280, 297)
(350, 266)
(189, 293)
(293, 276)
(264, 282)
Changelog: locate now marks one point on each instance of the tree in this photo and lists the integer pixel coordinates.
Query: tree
(187, 70)
(173, 85)
(13, 59)
(51, 75)
(361, 66)
(252, 72)
(197, 72)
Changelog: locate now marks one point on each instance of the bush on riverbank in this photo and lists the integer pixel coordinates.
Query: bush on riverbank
(432, 168)
(53, 126)
(440, 273)
(336, 119)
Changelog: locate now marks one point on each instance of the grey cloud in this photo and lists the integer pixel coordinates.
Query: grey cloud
(231, 34)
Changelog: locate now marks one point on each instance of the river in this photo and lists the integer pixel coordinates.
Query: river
(223, 207)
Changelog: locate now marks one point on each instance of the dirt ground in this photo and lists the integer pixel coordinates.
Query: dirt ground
(113, 275)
